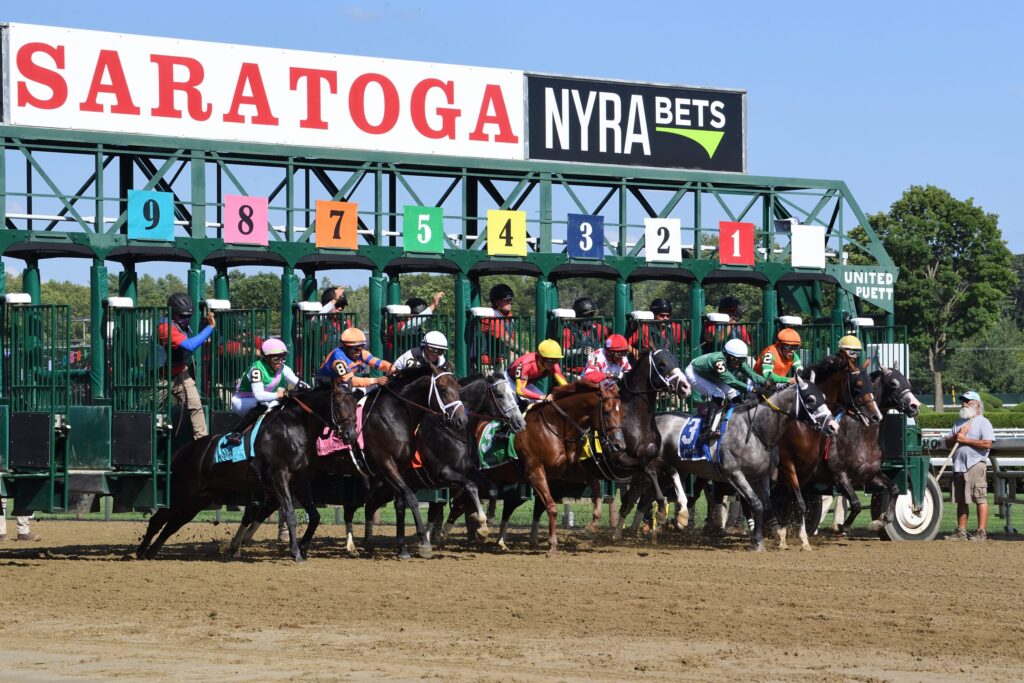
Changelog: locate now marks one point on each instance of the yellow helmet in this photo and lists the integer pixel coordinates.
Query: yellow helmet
(851, 343)
(353, 336)
(549, 348)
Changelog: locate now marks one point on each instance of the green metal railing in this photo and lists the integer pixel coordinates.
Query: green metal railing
(37, 364)
(496, 342)
(578, 337)
(315, 336)
(138, 364)
(233, 348)
(403, 332)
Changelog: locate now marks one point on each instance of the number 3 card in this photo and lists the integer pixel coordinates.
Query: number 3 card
(584, 236)
(245, 219)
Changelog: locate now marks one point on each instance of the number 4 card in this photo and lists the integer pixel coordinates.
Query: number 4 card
(584, 236)
(337, 225)
(506, 233)
(735, 244)
(245, 219)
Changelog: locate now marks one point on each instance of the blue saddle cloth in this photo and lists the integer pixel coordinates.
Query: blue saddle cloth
(228, 453)
(690, 449)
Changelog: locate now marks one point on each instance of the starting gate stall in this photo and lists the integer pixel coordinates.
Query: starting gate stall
(36, 397)
(495, 341)
(403, 330)
(578, 337)
(644, 334)
(316, 335)
(232, 349)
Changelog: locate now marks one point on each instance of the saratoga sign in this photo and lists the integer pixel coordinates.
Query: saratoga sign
(88, 80)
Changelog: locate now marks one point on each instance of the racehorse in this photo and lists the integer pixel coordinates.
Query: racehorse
(744, 450)
(554, 437)
(856, 454)
(847, 388)
(449, 458)
(284, 449)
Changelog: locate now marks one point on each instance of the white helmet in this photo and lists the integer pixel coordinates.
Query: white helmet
(737, 348)
(436, 340)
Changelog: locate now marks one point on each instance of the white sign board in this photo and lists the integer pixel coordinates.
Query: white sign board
(807, 246)
(661, 239)
(90, 80)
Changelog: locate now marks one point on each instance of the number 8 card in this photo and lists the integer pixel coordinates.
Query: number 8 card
(245, 219)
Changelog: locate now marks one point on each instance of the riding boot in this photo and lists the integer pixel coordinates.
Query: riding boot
(234, 438)
(709, 430)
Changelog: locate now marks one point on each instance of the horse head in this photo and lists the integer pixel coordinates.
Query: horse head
(811, 400)
(895, 390)
(859, 392)
(503, 397)
(665, 372)
(343, 411)
(611, 417)
(444, 396)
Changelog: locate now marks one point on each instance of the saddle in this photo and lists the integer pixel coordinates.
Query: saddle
(495, 445)
(229, 452)
(691, 447)
(329, 443)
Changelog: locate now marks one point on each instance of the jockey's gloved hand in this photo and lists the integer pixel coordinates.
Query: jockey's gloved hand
(738, 398)
(302, 385)
(731, 395)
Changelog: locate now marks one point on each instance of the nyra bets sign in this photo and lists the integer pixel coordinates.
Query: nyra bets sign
(87, 80)
(636, 124)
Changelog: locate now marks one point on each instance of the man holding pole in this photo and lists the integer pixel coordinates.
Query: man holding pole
(971, 438)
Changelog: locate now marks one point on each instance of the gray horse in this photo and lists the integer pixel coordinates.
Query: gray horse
(744, 455)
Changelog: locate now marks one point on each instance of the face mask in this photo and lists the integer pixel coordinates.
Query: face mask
(967, 412)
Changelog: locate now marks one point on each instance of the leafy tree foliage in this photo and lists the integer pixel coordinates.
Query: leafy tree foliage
(955, 270)
(991, 361)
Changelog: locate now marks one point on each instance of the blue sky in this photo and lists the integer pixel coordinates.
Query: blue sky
(881, 95)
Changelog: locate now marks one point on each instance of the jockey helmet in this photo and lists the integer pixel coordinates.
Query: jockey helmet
(435, 340)
(500, 292)
(661, 305)
(850, 343)
(273, 347)
(616, 342)
(416, 305)
(737, 348)
(788, 336)
(353, 336)
(549, 349)
(180, 305)
(584, 306)
(728, 303)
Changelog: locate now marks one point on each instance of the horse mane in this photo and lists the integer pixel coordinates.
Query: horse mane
(470, 378)
(407, 375)
(578, 387)
(823, 369)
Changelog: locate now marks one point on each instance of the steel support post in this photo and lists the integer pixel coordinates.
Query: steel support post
(541, 301)
(623, 306)
(128, 282)
(98, 287)
(307, 290)
(770, 311)
(196, 290)
(30, 279)
(221, 284)
(461, 343)
(378, 286)
(394, 290)
(289, 295)
(696, 317)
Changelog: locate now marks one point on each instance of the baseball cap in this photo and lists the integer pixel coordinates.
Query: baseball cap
(970, 396)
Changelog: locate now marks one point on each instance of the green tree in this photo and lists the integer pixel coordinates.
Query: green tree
(153, 291)
(955, 270)
(991, 361)
(1016, 304)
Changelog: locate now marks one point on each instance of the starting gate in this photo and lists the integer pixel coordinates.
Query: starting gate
(578, 337)
(36, 398)
(315, 336)
(403, 331)
(232, 349)
(496, 341)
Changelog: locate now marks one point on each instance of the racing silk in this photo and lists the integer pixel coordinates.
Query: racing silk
(599, 367)
(714, 366)
(412, 357)
(653, 335)
(261, 382)
(338, 364)
(774, 368)
(584, 339)
(525, 370)
(182, 346)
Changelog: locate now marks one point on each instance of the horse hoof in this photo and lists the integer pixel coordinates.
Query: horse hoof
(682, 519)
(481, 534)
(552, 552)
(403, 554)
(757, 547)
(806, 547)
(425, 551)
(298, 558)
(593, 528)
(501, 544)
(876, 525)
(350, 548)
(783, 546)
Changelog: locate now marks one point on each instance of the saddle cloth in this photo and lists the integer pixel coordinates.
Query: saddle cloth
(229, 453)
(690, 448)
(329, 443)
(495, 449)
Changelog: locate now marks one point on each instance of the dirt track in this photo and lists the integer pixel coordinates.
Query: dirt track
(858, 609)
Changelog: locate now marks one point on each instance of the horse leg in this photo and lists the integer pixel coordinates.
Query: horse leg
(280, 482)
(595, 504)
(538, 510)
(156, 522)
(842, 480)
(402, 490)
(651, 470)
(744, 490)
(881, 479)
(350, 541)
(248, 519)
(403, 551)
(313, 516)
(368, 521)
(470, 487)
(787, 473)
(185, 513)
(492, 506)
(682, 512)
(626, 502)
(539, 481)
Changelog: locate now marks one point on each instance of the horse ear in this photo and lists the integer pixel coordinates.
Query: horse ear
(895, 366)
(811, 378)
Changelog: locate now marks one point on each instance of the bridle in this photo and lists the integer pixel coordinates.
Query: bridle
(581, 431)
(666, 383)
(856, 405)
(799, 406)
(336, 424)
(506, 413)
(901, 401)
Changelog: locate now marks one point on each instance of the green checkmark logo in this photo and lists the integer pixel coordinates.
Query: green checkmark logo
(708, 139)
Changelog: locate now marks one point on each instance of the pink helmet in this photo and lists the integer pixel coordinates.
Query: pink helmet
(273, 347)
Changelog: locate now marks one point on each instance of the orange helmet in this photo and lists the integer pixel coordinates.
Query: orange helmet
(353, 336)
(788, 336)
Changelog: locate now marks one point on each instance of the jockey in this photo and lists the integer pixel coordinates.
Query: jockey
(645, 336)
(183, 344)
(258, 390)
(609, 362)
(850, 347)
(779, 363)
(351, 358)
(718, 376)
(584, 336)
(534, 366)
(498, 331)
(716, 334)
(333, 300)
(431, 348)
(408, 328)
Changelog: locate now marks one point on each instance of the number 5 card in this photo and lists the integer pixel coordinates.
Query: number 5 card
(245, 219)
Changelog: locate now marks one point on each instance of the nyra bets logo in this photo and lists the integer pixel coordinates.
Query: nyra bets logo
(635, 124)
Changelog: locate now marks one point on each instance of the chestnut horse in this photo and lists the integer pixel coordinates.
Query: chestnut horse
(848, 390)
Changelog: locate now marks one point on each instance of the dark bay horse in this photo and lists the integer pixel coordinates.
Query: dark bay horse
(856, 454)
(449, 455)
(848, 390)
(285, 451)
(744, 456)
(553, 439)
(390, 418)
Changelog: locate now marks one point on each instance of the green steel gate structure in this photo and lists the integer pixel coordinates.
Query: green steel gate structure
(578, 337)
(233, 347)
(316, 335)
(403, 332)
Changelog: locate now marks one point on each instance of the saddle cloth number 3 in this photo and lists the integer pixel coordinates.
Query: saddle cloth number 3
(688, 437)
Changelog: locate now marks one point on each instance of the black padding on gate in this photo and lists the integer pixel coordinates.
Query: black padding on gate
(892, 436)
(222, 422)
(132, 439)
(31, 435)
